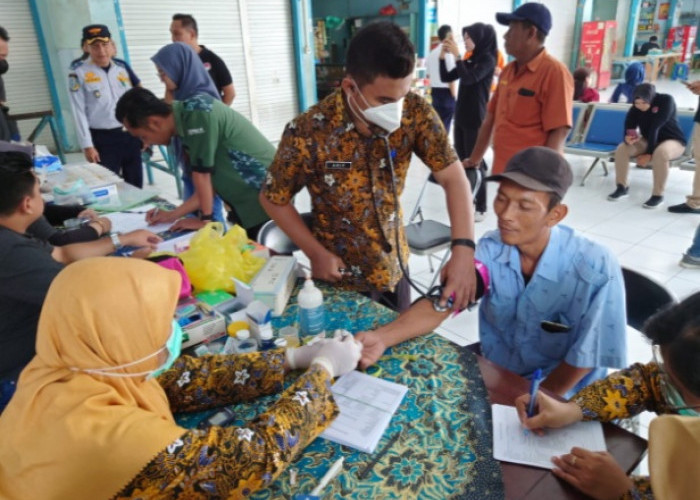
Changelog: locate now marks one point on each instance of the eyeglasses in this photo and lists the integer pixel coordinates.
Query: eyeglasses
(671, 395)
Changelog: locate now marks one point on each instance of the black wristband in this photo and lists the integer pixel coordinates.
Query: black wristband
(465, 242)
(206, 217)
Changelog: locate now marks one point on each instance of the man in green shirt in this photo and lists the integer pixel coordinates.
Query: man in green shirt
(224, 151)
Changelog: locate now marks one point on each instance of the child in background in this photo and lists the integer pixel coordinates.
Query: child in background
(582, 92)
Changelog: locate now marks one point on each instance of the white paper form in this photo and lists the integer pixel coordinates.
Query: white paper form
(512, 444)
(366, 406)
(125, 222)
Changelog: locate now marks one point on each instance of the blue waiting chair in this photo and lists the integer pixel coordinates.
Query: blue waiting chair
(579, 114)
(601, 136)
(686, 122)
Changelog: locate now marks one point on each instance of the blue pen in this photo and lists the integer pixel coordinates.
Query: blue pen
(534, 387)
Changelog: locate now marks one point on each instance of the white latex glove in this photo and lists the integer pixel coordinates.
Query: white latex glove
(301, 357)
(339, 357)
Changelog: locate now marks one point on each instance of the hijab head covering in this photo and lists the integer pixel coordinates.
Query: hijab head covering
(674, 454)
(580, 76)
(644, 91)
(634, 74)
(184, 67)
(69, 434)
(484, 38)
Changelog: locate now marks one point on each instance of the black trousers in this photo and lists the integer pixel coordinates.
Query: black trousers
(444, 104)
(120, 152)
(465, 139)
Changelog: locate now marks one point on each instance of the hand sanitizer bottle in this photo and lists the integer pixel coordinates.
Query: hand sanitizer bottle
(312, 314)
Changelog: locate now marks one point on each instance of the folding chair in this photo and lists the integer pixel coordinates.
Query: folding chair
(272, 236)
(644, 297)
(601, 136)
(428, 237)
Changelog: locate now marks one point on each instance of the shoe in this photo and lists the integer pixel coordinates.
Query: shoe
(683, 208)
(648, 166)
(690, 262)
(479, 216)
(654, 202)
(620, 193)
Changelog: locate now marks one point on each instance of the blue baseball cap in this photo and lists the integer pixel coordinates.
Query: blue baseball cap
(536, 13)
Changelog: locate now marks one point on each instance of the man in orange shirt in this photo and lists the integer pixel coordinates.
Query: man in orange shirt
(533, 102)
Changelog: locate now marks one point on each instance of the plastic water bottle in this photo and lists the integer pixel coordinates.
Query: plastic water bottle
(245, 343)
(312, 314)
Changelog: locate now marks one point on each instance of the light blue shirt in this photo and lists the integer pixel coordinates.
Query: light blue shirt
(577, 282)
(94, 93)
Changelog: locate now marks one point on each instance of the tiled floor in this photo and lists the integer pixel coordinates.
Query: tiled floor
(648, 241)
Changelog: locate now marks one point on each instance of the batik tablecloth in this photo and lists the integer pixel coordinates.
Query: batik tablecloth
(440, 439)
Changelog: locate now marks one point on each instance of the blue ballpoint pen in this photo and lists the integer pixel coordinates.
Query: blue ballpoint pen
(534, 387)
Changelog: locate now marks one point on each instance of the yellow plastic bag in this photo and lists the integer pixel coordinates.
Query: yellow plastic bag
(214, 258)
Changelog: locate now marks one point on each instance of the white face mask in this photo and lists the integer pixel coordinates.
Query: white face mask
(386, 116)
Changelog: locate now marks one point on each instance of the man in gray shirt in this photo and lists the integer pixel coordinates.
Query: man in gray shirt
(28, 265)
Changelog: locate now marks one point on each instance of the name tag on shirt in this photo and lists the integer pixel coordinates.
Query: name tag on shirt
(338, 165)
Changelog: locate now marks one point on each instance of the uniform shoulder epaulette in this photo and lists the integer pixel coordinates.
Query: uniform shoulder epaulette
(120, 62)
(76, 63)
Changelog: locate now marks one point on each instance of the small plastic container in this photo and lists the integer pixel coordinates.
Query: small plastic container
(245, 343)
(267, 341)
(291, 335)
(230, 346)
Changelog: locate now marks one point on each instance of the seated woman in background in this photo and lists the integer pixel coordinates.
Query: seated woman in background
(92, 415)
(582, 92)
(634, 75)
(670, 384)
(654, 137)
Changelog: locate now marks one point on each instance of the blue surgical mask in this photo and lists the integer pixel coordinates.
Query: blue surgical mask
(173, 345)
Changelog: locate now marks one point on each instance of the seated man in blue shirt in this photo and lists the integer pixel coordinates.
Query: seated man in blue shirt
(556, 300)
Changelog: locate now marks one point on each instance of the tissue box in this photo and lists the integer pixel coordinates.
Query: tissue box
(274, 283)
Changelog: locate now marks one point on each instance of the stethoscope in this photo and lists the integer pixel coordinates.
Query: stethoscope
(434, 294)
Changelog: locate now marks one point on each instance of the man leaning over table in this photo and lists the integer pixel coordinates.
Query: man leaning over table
(227, 154)
(28, 265)
(556, 300)
(345, 150)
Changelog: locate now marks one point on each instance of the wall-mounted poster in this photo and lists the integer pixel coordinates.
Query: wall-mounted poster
(663, 11)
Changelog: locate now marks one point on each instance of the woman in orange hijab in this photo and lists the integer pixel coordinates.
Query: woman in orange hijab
(92, 415)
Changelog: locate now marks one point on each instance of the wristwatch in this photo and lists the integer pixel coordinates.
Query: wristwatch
(206, 217)
(463, 242)
(115, 241)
